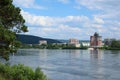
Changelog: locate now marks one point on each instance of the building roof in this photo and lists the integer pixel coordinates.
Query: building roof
(96, 34)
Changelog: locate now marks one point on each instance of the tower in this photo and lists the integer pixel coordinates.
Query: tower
(96, 40)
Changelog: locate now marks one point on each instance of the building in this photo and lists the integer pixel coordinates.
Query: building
(108, 41)
(87, 44)
(74, 42)
(41, 42)
(96, 40)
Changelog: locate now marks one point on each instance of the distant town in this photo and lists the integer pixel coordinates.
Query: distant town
(95, 42)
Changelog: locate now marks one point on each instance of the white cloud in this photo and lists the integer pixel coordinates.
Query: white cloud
(60, 32)
(106, 18)
(107, 8)
(91, 4)
(98, 20)
(47, 21)
(99, 4)
(80, 27)
(28, 4)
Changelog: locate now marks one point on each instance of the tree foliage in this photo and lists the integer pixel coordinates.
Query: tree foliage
(115, 44)
(11, 23)
(21, 72)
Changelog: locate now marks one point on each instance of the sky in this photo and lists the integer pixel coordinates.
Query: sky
(65, 19)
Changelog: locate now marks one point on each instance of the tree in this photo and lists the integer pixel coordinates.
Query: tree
(11, 23)
(115, 44)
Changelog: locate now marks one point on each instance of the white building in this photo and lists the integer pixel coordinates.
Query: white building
(42, 42)
(87, 44)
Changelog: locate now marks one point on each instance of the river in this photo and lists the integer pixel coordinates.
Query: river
(71, 64)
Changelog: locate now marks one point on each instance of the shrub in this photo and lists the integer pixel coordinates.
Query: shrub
(21, 72)
(39, 75)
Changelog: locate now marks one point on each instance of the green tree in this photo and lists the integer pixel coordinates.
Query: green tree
(20, 72)
(11, 23)
(115, 44)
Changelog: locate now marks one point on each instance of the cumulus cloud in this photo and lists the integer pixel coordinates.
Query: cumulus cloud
(99, 4)
(64, 27)
(108, 8)
(80, 27)
(98, 20)
(60, 32)
(28, 4)
(47, 21)
(106, 19)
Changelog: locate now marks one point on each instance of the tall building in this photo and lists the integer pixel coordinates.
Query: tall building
(74, 42)
(96, 40)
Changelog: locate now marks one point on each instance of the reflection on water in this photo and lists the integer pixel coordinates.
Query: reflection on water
(96, 53)
(97, 57)
(72, 64)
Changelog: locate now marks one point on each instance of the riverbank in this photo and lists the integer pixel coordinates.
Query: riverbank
(110, 48)
(51, 46)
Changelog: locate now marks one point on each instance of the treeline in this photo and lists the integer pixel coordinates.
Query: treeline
(30, 39)
(20, 72)
(115, 45)
(51, 46)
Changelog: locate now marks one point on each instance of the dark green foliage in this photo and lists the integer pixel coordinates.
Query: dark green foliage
(21, 72)
(52, 46)
(29, 39)
(115, 44)
(11, 22)
(39, 75)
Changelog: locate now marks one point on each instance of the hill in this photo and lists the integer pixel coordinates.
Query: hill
(30, 39)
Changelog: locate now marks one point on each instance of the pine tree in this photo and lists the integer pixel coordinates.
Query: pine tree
(11, 23)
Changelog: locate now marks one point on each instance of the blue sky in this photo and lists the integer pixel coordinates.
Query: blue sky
(64, 19)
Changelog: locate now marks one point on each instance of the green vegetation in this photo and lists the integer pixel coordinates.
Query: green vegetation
(51, 46)
(115, 45)
(30, 39)
(11, 22)
(20, 72)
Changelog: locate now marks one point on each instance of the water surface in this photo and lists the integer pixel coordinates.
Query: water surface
(72, 64)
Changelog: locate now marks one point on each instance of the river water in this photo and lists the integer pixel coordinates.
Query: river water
(72, 64)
